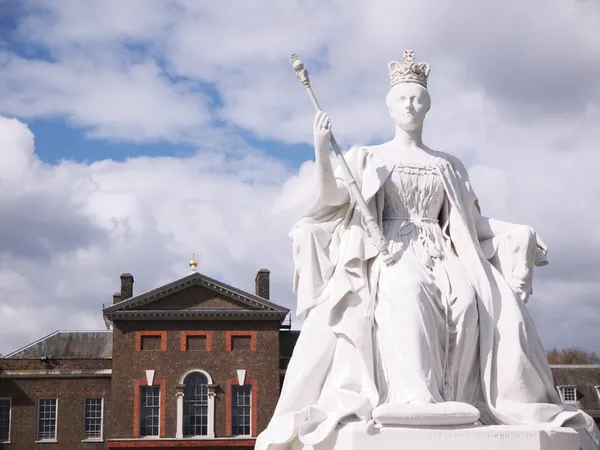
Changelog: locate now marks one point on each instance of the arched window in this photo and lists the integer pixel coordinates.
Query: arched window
(195, 405)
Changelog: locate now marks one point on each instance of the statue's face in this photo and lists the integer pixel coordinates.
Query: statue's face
(408, 104)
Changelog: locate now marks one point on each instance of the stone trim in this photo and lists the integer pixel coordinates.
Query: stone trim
(56, 373)
(180, 443)
(199, 314)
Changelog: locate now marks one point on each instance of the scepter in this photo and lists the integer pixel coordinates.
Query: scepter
(372, 227)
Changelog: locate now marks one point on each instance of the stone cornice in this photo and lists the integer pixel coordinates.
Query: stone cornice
(197, 314)
(56, 373)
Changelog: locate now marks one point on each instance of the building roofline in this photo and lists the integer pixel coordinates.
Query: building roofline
(54, 333)
(575, 366)
(195, 279)
(31, 344)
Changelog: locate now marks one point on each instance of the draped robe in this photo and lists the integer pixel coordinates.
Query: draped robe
(330, 377)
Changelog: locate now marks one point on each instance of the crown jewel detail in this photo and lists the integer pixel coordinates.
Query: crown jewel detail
(409, 72)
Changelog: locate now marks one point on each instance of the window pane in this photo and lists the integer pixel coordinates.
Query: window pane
(241, 343)
(93, 418)
(569, 394)
(47, 418)
(151, 343)
(196, 343)
(241, 410)
(149, 410)
(195, 405)
(4, 419)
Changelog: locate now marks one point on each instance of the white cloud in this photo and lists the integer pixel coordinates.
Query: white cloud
(135, 102)
(145, 216)
(514, 93)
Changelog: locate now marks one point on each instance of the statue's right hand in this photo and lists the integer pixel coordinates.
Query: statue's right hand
(322, 131)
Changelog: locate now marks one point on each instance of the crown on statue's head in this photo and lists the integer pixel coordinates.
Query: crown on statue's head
(409, 72)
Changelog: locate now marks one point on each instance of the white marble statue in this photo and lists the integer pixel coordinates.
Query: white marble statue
(442, 335)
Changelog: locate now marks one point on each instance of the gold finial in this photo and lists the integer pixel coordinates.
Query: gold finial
(193, 263)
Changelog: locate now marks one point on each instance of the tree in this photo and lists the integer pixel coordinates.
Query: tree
(572, 356)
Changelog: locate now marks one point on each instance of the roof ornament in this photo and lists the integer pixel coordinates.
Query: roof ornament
(193, 263)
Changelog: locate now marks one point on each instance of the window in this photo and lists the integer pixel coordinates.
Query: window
(149, 410)
(240, 343)
(47, 408)
(151, 343)
(241, 410)
(195, 405)
(93, 418)
(240, 340)
(569, 394)
(5, 404)
(196, 341)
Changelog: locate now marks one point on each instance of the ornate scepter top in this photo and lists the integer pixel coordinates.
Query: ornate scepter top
(301, 72)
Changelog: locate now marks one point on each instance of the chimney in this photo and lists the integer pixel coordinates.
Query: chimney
(262, 284)
(126, 286)
(116, 298)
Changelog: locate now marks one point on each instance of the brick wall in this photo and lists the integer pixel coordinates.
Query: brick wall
(70, 408)
(172, 363)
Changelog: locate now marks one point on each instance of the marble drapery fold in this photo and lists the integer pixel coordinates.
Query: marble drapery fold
(331, 376)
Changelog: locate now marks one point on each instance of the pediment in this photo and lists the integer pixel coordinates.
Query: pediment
(196, 296)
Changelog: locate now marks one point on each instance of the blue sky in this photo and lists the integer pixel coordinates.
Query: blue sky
(133, 134)
(57, 140)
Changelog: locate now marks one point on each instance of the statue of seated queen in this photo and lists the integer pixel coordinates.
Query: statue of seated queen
(439, 336)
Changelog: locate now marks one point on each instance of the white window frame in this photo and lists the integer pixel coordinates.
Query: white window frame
(251, 410)
(210, 424)
(160, 412)
(562, 389)
(9, 418)
(55, 438)
(95, 439)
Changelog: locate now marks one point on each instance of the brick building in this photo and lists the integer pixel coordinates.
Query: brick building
(194, 364)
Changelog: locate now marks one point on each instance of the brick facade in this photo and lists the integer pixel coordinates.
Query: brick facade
(180, 340)
(220, 363)
(217, 332)
(25, 390)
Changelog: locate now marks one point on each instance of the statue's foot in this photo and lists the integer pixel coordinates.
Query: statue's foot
(447, 413)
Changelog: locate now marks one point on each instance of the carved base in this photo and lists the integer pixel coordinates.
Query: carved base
(355, 436)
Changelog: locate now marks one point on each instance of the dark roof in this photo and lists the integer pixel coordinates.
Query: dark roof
(255, 307)
(585, 378)
(287, 342)
(68, 344)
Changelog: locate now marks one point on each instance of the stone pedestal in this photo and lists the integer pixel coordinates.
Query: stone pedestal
(355, 436)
